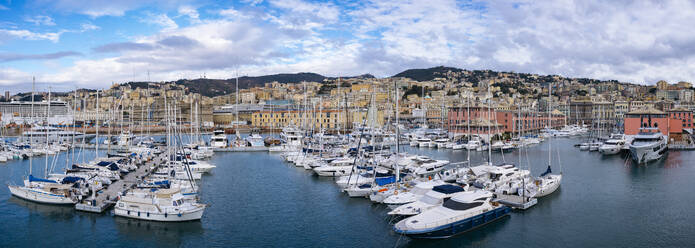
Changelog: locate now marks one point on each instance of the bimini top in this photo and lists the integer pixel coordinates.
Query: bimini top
(447, 189)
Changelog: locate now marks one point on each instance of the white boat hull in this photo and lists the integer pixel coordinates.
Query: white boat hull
(168, 217)
(38, 196)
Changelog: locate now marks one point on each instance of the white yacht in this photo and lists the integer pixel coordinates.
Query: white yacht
(255, 140)
(613, 145)
(413, 195)
(463, 212)
(431, 199)
(440, 143)
(424, 142)
(426, 167)
(161, 205)
(648, 145)
(219, 139)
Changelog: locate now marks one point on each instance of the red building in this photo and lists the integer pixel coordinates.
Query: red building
(506, 120)
(671, 123)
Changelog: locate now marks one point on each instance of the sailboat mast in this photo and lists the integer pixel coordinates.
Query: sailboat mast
(550, 104)
(398, 135)
(31, 120)
(468, 124)
(48, 110)
(97, 124)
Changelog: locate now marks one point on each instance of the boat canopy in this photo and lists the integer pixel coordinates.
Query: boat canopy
(67, 180)
(36, 179)
(447, 189)
(548, 171)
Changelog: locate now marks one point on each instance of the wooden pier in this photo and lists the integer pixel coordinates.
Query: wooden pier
(106, 198)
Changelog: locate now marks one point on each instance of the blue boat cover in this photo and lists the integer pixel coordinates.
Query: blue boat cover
(104, 163)
(165, 182)
(385, 180)
(67, 180)
(548, 171)
(447, 189)
(36, 179)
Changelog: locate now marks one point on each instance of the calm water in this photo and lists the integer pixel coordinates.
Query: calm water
(256, 200)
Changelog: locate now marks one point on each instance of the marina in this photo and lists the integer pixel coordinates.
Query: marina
(611, 184)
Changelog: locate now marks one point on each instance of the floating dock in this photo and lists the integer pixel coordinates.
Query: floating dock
(680, 147)
(516, 202)
(106, 198)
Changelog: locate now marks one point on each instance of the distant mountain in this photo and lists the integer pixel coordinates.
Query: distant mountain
(427, 74)
(216, 87)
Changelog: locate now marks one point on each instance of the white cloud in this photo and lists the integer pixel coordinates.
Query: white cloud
(29, 35)
(252, 2)
(10, 76)
(98, 8)
(3, 7)
(40, 20)
(306, 14)
(88, 27)
(636, 41)
(161, 20)
(191, 12)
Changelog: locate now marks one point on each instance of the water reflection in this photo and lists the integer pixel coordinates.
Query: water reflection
(53, 212)
(170, 233)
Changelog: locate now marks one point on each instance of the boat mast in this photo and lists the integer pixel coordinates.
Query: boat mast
(398, 135)
(550, 104)
(31, 119)
(48, 110)
(468, 124)
(74, 127)
(97, 124)
(489, 129)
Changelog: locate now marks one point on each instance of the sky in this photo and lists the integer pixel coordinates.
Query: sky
(95, 43)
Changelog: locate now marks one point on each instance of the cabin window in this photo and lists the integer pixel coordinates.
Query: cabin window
(175, 203)
(454, 205)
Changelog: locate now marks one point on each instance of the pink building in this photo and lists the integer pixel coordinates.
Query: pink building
(505, 120)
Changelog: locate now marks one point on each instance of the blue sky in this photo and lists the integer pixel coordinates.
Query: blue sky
(71, 43)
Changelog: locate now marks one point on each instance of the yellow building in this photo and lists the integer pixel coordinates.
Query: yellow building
(325, 119)
(360, 87)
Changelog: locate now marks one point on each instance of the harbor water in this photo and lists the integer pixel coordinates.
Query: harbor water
(257, 200)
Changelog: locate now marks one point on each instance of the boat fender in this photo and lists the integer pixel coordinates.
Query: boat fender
(128, 212)
(179, 214)
(395, 192)
(148, 214)
(138, 214)
(165, 215)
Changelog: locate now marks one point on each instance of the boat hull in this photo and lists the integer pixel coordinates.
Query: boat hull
(168, 217)
(456, 228)
(40, 197)
(609, 150)
(645, 154)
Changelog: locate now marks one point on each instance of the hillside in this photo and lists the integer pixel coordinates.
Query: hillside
(426, 74)
(217, 87)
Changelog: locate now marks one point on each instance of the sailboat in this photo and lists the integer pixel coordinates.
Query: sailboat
(39, 189)
(547, 182)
